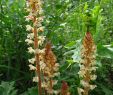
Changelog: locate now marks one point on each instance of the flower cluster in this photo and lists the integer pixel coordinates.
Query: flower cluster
(87, 66)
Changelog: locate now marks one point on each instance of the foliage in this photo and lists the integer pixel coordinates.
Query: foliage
(65, 23)
(31, 91)
(7, 88)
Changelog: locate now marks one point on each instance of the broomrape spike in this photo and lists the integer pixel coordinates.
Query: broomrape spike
(51, 70)
(35, 12)
(87, 66)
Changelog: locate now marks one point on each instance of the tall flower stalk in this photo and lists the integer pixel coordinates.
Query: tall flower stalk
(87, 65)
(51, 69)
(33, 38)
(44, 60)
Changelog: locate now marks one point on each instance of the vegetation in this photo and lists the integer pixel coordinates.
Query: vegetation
(71, 28)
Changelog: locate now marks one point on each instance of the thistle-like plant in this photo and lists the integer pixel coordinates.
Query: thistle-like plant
(87, 65)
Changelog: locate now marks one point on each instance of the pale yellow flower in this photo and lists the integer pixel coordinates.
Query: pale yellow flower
(93, 77)
(57, 74)
(84, 83)
(29, 17)
(82, 67)
(32, 67)
(40, 51)
(35, 79)
(92, 87)
(42, 65)
(31, 50)
(41, 40)
(56, 92)
(40, 18)
(32, 60)
(44, 85)
(30, 36)
(80, 91)
(40, 29)
(93, 68)
(28, 28)
(29, 41)
(81, 73)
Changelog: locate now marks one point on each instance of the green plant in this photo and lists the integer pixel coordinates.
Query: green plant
(7, 88)
(65, 23)
(31, 91)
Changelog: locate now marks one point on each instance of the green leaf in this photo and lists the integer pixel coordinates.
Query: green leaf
(71, 44)
(106, 90)
(70, 62)
(104, 52)
(77, 52)
(31, 91)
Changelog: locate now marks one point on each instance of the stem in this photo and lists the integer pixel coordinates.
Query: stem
(34, 11)
(39, 75)
(37, 58)
(36, 55)
(51, 85)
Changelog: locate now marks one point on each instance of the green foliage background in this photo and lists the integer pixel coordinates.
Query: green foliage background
(65, 24)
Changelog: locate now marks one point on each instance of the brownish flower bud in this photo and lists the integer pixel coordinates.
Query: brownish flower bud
(65, 88)
(50, 58)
